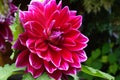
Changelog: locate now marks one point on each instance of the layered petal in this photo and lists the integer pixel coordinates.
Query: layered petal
(56, 75)
(35, 61)
(56, 58)
(49, 67)
(82, 56)
(35, 72)
(67, 55)
(23, 59)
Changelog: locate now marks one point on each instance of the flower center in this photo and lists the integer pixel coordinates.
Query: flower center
(56, 37)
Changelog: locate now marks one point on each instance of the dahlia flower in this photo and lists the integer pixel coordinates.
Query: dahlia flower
(51, 41)
(6, 11)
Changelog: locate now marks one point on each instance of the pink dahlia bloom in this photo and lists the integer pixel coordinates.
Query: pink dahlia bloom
(51, 41)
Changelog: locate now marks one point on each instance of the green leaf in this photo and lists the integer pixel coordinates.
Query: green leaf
(96, 64)
(95, 72)
(75, 77)
(105, 48)
(113, 68)
(7, 71)
(27, 77)
(112, 58)
(117, 77)
(16, 27)
(96, 53)
(42, 77)
(104, 59)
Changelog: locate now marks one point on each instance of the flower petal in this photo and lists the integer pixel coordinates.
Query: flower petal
(38, 4)
(56, 75)
(35, 27)
(22, 59)
(18, 45)
(63, 66)
(52, 17)
(73, 13)
(63, 17)
(35, 72)
(69, 42)
(65, 27)
(45, 55)
(76, 59)
(50, 7)
(6, 32)
(37, 14)
(76, 21)
(40, 45)
(82, 38)
(30, 43)
(23, 38)
(67, 55)
(70, 71)
(35, 61)
(73, 34)
(55, 48)
(82, 56)
(59, 6)
(56, 58)
(49, 67)
(77, 47)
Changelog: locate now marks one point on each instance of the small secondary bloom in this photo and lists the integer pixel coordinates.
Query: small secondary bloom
(51, 41)
(6, 17)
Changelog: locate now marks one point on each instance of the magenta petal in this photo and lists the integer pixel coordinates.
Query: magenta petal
(73, 34)
(69, 42)
(30, 43)
(76, 59)
(35, 61)
(54, 16)
(82, 38)
(40, 45)
(64, 65)
(23, 37)
(22, 59)
(18, 45)
(56, 75)
(64, 16)
(55, 48)
(82, 56)
(56, 58)
(50, 7)
(77, 47)
(67, 55)
(25, 16)
(38, 4)
(73, 13)
(36, 13)
(35, 72)
(49, 67)
(35, 27)
(6, 32)
(45, 55)
(76, 21)
(59, 6)
(65, 27)
(70, 71)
